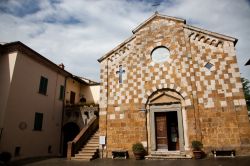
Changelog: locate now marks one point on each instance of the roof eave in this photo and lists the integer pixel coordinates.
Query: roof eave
(157, 15)
(217, 35)
(39, 56)
(116, 48)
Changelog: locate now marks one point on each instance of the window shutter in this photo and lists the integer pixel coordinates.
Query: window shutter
(38, 121)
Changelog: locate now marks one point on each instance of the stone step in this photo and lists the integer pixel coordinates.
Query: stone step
(166, 153)
(85, 155)
(89, 148)
(91, 145)
(95, 137)
(87, 151)
(161, 157)
(93, 142)
(81, 158)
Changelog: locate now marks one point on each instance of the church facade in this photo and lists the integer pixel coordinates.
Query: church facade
(169, 84)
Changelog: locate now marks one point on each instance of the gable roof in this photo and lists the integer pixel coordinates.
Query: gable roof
(156, 14)
(19, 46)
(116, 48)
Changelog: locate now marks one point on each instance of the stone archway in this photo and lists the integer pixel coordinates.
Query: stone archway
(70, 131)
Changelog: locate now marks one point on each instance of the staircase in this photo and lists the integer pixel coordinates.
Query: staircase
(164, 155)
(90, 150)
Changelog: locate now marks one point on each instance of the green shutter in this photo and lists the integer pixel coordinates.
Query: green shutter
(43, 85)
(38, 121)
(61, 92)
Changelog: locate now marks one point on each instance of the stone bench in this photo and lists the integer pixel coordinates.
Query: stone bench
(120, 154)
(223, 152)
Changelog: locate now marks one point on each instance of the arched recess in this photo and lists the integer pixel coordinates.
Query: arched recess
(167, 126)
(70, 131)
(167, 88)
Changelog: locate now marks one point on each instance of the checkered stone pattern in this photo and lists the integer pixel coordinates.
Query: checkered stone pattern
(212, 98)
(220, 85)
(142, 76)
(103, 85)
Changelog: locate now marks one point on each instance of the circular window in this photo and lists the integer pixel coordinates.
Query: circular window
(160, 54)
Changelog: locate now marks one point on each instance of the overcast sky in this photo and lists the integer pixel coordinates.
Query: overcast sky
(78, 32)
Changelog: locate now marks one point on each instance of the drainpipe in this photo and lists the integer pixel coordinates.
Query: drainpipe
(1, 132)
(63, 110)
(107, 109)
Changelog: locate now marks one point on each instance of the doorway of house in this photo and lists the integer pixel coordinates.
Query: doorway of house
(70, 131)
(167, 136)
(72, 97)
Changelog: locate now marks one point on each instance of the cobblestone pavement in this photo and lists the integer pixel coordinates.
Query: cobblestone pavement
(238, 161)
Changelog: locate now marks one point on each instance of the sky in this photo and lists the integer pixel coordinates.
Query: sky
(78, 32)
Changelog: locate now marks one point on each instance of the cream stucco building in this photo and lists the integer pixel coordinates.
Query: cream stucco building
(81, 90)
(32, 101)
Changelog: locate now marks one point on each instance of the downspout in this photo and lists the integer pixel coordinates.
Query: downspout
(54, 107)
(63, 110)
(1, 132)
(107, 110)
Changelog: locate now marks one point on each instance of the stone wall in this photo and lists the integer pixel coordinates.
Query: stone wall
(220, 106)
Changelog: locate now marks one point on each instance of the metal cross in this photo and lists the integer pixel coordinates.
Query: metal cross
(120, 72)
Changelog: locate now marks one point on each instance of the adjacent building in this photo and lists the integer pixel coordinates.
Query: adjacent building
(34, 93)
(81, 105)
(32, 100)
(81, 90)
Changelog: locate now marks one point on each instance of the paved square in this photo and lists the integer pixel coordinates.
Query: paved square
(239, 161)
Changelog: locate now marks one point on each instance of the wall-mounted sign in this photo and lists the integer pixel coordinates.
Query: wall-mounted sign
(102, 140)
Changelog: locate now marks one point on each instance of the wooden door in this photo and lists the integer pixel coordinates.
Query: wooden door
(172, 128)
(72, 97)
(161, 130)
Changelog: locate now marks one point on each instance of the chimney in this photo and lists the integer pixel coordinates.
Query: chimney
(61, 66)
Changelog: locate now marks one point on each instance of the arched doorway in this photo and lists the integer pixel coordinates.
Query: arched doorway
(70, 130)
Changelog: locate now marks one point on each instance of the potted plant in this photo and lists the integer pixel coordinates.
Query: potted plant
(5, 157)
(139, 151)
(197, 146)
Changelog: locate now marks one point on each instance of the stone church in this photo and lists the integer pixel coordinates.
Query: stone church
(169, 84)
